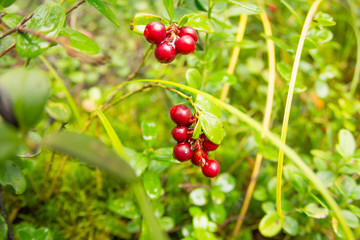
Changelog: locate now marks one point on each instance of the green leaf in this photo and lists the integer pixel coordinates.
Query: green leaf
(346, 146)
(295, 177)
(355, 210)
(12, 19)
(315, 212)
(348, 184)
(217, 196)
(248, 6)
(124, 208)
(167, 223)
(197, 130)
(105, 10)
(138, 162)
(324, 19)
(199, 196)
(24, 231)
(149, 132)
(327, 178)
(28, 91)
(270, 225)
(291, 226)
(92, 151)
(212, 127)
(169, 6)
(217, 213)
(9, 141)
(42, 234)
(222, 77)
(58, 111)
(140, 21)
(226, 182)
(152, 185)
(284, 70)
(197, 21)
(48, 19)
(3, 228)
(351, 219)
(308, 44)
(193, 79)
(268, 207)
(207, 106)
(11, 174)
(80, 42)
(320, 35)
(200, 221)
(278, 42)
(6, 3)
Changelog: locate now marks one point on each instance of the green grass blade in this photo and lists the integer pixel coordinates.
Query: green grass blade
(356, 77)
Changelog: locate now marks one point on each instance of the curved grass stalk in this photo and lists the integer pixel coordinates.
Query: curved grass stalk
(290, 95)
(276, 141)
(356, 77)
(266, 121)
(235, 54)
(68, 96)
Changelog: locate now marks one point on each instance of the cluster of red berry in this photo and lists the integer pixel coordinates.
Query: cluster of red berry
(170, 41)
(188, 148)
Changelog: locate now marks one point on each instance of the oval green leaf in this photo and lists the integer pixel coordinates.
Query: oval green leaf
(212, 127)
(11, 174)
(270, 225)
(105, 10)
(79, 41)
(197, 21)
(140, 21)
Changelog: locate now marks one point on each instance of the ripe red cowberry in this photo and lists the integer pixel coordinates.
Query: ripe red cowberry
(211, 168)
(199, 156)
(180, 114)
(155, 32)
(208, 145)
(165, 52)
(180, 133)
(189, 31)
(272, 7)
(183, 151)
(185, 45)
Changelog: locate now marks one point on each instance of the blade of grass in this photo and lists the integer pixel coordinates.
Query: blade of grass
(290, 95)
(356, 77)
(292, 11)
(276, 141)
(266, 121)
(68, 96)
(235, 54)
(138, 188)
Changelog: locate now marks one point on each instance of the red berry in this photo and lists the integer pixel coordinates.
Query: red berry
(155, 32)
(165, 52)
(185, 45)
(208, 145)
(183, 152)
(180, 133)
(198, 157)
(189, 31)
(211, 168)
(180, 114)
(272, 7)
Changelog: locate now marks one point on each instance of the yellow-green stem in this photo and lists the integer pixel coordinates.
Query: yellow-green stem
(290, 95)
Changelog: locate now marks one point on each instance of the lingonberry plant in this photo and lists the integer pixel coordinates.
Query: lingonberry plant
(98, 140)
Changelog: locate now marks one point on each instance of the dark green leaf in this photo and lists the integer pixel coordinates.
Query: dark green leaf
(169, 6)
(140, 21)
(12, 19)
(6, 3)
(197, 21)
(11, 174)
(28, 91)
(152, 185)
(212, 127)
(124, 208)
(270, 225)
(48, 19)
(90, 150)
(3, 228)
(149, 132)
(58, 111)
(197, 130)
(9, 141)
(42, 234)
(24, 231)
(80, 42)
(105, 10)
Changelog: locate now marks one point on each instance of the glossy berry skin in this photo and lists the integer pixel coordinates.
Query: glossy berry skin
(155, 32)
(211, 168)
(208, 145)
(185, 45)
(198, 157)
(180, 114)
(180, 134)
(165, 52)
(189, 31)
(183, 152)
